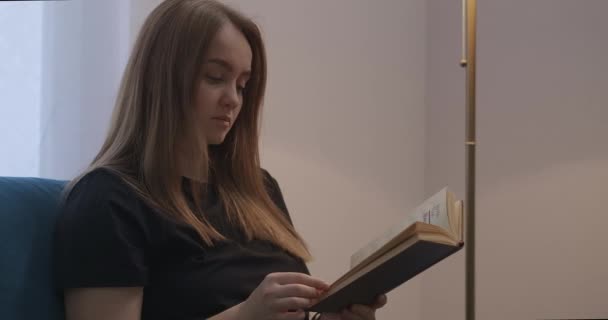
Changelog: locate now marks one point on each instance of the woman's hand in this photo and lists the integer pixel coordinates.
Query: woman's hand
(357, 311)
(281, 296)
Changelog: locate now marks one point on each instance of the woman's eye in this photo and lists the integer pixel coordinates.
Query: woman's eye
(214, 78)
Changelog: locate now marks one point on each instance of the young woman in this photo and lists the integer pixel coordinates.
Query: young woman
(174, 218)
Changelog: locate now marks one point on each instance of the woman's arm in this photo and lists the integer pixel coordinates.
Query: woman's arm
(230, 314)
(121, 303)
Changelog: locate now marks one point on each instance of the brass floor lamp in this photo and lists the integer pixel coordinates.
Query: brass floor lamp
(469, 34)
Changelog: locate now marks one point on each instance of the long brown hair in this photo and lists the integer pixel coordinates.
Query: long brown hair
(153, 113)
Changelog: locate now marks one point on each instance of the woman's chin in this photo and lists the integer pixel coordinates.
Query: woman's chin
(217, 140)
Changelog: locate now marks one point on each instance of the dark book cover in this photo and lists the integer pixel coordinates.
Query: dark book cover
(392, 273)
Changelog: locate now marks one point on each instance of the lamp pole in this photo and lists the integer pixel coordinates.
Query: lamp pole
(469, 33)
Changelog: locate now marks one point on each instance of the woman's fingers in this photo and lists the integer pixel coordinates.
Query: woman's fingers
(291, 303)
(358, 312)
(331, 316)
(298, 278)
(282, 296)
(295, 315)
(363, 312)
(380, 302)
(297, 290)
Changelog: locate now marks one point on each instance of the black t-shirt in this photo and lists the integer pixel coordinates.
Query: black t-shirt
(106, 236)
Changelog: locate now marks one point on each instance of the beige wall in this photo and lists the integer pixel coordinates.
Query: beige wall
(542, 158)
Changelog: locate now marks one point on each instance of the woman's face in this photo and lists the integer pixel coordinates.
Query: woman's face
(219, 92)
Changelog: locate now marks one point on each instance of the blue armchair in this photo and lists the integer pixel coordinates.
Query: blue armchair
(28, 208)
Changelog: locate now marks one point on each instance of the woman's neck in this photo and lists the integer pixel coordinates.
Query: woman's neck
(190, 168)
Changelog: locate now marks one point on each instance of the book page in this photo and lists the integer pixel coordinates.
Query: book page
(433, 211)
(380, 241)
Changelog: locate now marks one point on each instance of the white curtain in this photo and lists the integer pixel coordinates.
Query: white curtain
(85, 45)
(60, 67)
(20, 65)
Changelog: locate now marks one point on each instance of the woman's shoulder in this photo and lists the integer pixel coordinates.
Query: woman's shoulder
(101, 204)
(98, 183)
(271, 184)
(275, 193)
(100, 178)
(99, 188)
(103, 231)
(269, 179)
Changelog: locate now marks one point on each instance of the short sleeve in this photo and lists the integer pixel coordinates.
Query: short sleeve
(100, 235)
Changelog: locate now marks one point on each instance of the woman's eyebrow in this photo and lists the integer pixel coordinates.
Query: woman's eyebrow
(226, 65)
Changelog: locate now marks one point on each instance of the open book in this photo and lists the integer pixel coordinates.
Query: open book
(428, 235)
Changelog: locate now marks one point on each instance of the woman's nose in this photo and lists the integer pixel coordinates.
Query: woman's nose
(231, 98)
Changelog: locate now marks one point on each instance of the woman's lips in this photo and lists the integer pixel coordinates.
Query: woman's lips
(224, 121)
